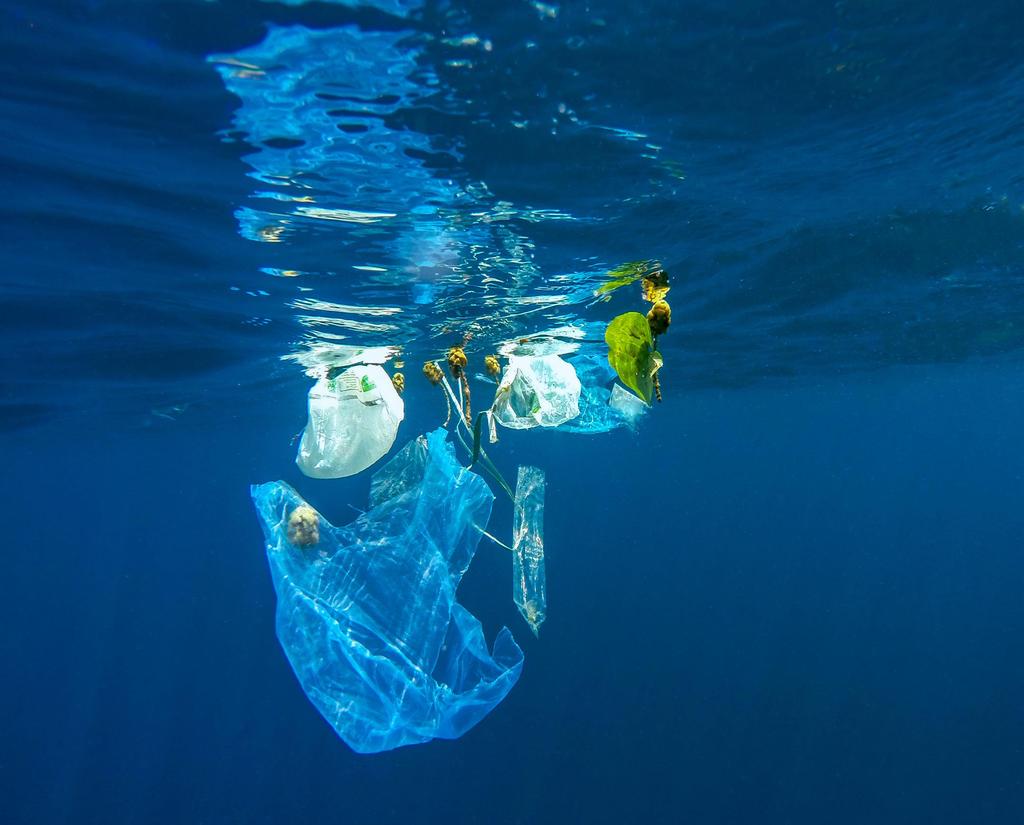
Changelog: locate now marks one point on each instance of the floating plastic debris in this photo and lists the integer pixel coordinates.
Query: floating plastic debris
(528, 584)
(353, 421)
(541, 391)
(602, 409)
(628, 406)
(367, 614)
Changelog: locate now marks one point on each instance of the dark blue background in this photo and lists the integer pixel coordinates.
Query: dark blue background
(797, 605)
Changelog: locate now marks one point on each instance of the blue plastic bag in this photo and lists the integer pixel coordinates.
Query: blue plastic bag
(602, 408)
(367, 614)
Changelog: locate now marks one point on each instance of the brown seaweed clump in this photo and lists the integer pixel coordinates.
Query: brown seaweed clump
(659, 318)
(492, 365)
(433, 373)
(303, 526)
(457, 362)
(398, 379)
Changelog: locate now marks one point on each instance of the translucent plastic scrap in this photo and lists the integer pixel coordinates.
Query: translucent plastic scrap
(528, 587)
(602, 409)
(627, 405)
(404, 471)
(537, 391)
(595, 375)
(367, 613)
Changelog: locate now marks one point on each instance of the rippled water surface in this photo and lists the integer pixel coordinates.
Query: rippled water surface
(833, 187)
(206, 203)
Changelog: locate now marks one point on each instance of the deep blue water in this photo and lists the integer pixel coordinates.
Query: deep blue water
(793, 596)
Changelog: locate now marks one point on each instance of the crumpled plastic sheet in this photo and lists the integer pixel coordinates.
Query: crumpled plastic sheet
(529, 590)
(629, 407)
(368, 617)
(536, 391)
(602, 408)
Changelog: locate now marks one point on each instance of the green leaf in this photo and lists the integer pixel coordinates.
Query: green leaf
(476, 438)
(631, 353)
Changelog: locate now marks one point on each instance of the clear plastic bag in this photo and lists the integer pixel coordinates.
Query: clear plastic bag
(367, 613)
(537, 391)
(353, 421)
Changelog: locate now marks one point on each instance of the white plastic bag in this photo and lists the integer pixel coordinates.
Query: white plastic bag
(353, 421)
(537, 391)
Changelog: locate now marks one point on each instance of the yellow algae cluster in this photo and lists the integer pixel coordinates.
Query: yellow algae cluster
(659, 318)
(433, 372)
